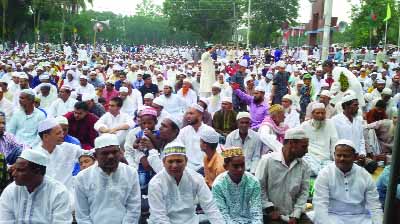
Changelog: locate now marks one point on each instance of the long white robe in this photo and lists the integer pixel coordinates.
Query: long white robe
(207, 78)
(48, 203)
(172, 203)
(346, 198)
(103, 199)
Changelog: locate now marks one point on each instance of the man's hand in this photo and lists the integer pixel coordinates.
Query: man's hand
(292, 221)
(112, 130)
(235, 86)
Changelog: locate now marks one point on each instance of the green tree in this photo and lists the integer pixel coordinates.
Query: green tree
(148, 8)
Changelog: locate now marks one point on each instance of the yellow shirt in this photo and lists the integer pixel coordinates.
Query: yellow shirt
(213, 167)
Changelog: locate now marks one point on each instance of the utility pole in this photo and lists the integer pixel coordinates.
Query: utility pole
(248, 25)
(235, 34)
(327, 29)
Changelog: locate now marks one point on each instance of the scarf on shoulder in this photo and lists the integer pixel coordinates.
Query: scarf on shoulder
(278, 130)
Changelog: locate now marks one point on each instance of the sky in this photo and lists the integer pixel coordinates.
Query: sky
(341, 8)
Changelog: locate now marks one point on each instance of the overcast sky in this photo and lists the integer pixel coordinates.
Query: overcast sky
(341, 8)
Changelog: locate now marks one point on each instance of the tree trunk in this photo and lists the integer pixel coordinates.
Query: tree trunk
(4, 22)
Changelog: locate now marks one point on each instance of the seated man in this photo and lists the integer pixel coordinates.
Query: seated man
(346, 192)
(284, 179)
(174, 192)
(34, 197)
(237, 193)
(224, 120)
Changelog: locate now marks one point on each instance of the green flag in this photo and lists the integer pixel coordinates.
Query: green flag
(388, 13)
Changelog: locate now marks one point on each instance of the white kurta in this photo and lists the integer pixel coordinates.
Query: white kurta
(132, 103)
(103, 199)
(346, 198)
(190, 98)
(292, 119)
(46, 101)
(172, 203)
(352, 131)
(48, 203)
(59, 107)
(175, 105)
(88, 89)
(110, 121)
(7, 107)
(269, 140)
(207, 78)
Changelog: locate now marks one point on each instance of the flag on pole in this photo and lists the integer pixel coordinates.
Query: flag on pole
(388, 13)
(374, 17)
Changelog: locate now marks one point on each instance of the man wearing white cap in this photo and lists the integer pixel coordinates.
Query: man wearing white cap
(350, 126)
(292, 117)
(24, 122)
(247, 139)
(132, 99)
(324, 98)
(376, 93)
(190, 137)
(63, 122)
(285, 168)
(46, 96)
(173, 103)
(187, 93)
(207, 77)
(175, 191)
(84, 86)
(115, 121)
(224, 120)
(19, 202)
(215, 99)
(64, 104)
(346, 192)
(322, 138)
(5, 105)
(386, 96)
(108, 191)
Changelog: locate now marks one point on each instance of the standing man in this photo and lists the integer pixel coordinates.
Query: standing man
(109, 191)
(284, 179)
(207, 77)
(238, 78)
(19, 202)
(280, 83)
(346, 192)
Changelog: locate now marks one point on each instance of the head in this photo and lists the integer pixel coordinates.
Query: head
(296, 147)
(380, 86)
(81, 109)
(2, 123)
(350, 107)
(27, 173)
(307, 81)
(345, 156)
(167, 90)
(169, 130)
(109, 86)
(108, 158)
(147, 79)
(286, 103)
(226, 106)
(236, 167)
(215, 90)
(193, 116)
(83, 81)
(64, 94)
(26, 100)
(45, 90)
(277, 113)
(244, 124)
(258, 96)
(24, 83)
(175, 165)
(148, 101)
(148, 122)
(324, 99)
(53, 136)
(207, 147)
(115, 105)
(327, 66)
(85, 161)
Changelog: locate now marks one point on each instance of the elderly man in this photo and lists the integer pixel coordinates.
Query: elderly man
(18, 202)
(84, 86)
(174, 192)
(109, 191)
(284, 179)
(24, 122)
(132, 100)
(247, 139)
(173, 103)
(322, 138)
(386, 96)
(292, 117)
(115, 121)
(5, 105)
(272, 130)
(94, 107)
(188, 94)
(224, 120)
(237, 193)
(63, 122)
(258, 106)
(64, 104)
(345, 192)
(324, 98)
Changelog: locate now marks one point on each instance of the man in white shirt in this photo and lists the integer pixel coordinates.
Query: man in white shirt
(132, 100)
(322, 138)
(345, 192)
(175, 191)
(6, 106)
(188, 94)
(292, 117)
(85, 87)
(109, 191)
(190, 138)
(350, 126)
(34, 197)
(115, 121)
(174, 104)
(64, 104)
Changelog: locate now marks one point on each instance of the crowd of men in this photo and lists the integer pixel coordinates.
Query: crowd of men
(222, 135)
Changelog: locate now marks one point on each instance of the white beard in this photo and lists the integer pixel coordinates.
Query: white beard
(317, 124)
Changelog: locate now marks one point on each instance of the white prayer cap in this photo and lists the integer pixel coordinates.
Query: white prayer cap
(62, 120)
(39, 68)
(209, 135)
(174, 148)
(204, 100)
(300, 82)
(317, 106)
(148, 96)
(93, 72)
(47, 124)
(217, 85)
(83, 77)
(387, 91)
(105, 140)
(227, 99)
(362, 70)
(15, 74)
(269, 75)
(197, 107)
(380, 81)
(158, 101)
(85, 68)
(123, 89)
(109, 81)
(260, 89)
(35, 156)
(66, 67)
(345, 142)
(44, 76)
(288, 97)
(349, 96)
(66, 87)
(295, 133)
(87, 97)
(243, 63)
(70, 72)
(325, 93)
(281, 64)
(187, 80)
(22, 75)
(319, 68)
(28, 92)
(242, 114)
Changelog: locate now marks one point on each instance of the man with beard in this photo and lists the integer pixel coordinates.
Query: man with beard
(132, 99)
(174, 104)
(19, 201)
(64, 104)
(376, 93)
(280, 83)
(322, 138)
(292, 117)
(396, 82)
(350, 126)
(256, 103)
(324, 98)
(109, 191)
